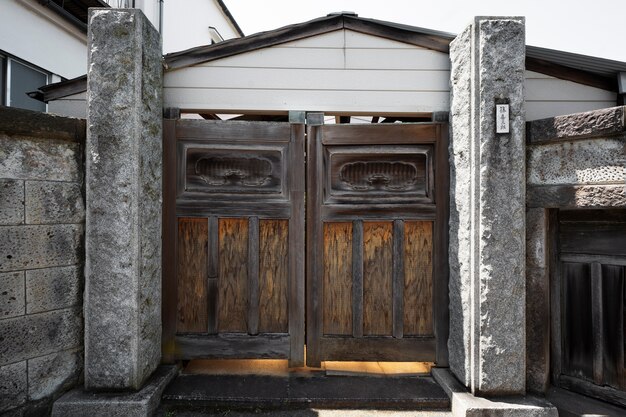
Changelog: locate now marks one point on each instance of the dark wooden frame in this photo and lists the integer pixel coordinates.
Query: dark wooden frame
(321, 347)
(555, 258)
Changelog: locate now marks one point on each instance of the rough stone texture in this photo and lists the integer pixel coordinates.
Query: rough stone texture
(39, 159)
(537, 301)
(11, 202)
(537, 329)
(464, 404)
(11, 294)
(54, 202)
(35, 335)
(601, 122)
(577, 196)
(460, 197)
(41, 174)
(20, 122)
(29, 247)
(53, 289)
(143, 403)
(53, 373)
(492, 347)
(13, 385)
(598, 160)
(123, 228)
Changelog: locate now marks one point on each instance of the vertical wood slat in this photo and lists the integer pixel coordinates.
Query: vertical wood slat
(273, 276)
(377, 278)
(398, 279)
(192, 275)
(357, 278)
(613, 325)
(253, 275)
(337, 279)
(597, 321)
(213, 270)
(296, 236)
(314, 238)
(418, 278)
(440, 270)
(169, 252)
(233, 275)
(213, 267)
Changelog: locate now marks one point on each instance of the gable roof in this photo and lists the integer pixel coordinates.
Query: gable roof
(595, 72)
(587, 70)
(426, 38)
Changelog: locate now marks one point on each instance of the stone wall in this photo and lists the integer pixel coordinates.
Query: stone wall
(573, 161)
(42, 218)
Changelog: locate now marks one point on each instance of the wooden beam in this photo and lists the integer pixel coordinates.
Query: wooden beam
(396, 33)
(250, 43)
(253, 275)
(357, 278)
(571, 74)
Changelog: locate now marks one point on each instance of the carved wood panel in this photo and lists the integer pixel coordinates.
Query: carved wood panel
(381, 174)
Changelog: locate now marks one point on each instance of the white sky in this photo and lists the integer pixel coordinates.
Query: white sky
(596, 27)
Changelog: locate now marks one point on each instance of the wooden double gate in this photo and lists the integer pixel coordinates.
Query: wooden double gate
(359, 273)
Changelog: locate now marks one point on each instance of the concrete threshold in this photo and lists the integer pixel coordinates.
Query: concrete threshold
(465, 404)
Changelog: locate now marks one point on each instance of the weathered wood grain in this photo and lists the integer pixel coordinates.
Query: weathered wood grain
(337, 278)
(233, 276)
(232, 346)
(418, 278)
(192, 275)
(357, 278)
(253, 276)
(407, 349)
(398, 278)
(273, 276)
(213, 273)
(377, 274)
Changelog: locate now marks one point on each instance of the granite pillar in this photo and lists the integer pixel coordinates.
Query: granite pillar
(123, 201)
(487, 210)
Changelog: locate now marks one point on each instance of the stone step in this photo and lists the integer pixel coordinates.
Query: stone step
(174, 412)
(261, 392)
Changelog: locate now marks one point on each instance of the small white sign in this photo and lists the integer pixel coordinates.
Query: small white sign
(502, 118)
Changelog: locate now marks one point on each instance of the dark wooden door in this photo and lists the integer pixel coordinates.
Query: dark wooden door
(233, 240)
(589, 294)
(376, 242)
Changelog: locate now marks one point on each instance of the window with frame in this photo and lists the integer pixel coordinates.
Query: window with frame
(17, 78)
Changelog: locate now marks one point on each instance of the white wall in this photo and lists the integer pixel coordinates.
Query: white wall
(547, 96)
(186, 24)
(38, 35)
(341, 71)
(72, 106)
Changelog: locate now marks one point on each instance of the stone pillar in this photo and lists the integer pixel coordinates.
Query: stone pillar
(123, 199)
(487, 208)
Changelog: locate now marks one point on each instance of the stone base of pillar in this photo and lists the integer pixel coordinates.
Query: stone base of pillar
(142, 403)
(465, 404)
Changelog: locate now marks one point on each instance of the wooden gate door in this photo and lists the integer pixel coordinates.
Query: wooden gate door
(588, 267)
(233, 240)
(376, 242)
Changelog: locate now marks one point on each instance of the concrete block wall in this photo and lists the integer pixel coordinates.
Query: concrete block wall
(42, 215)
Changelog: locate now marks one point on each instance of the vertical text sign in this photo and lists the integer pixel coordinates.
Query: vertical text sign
(502, 118)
